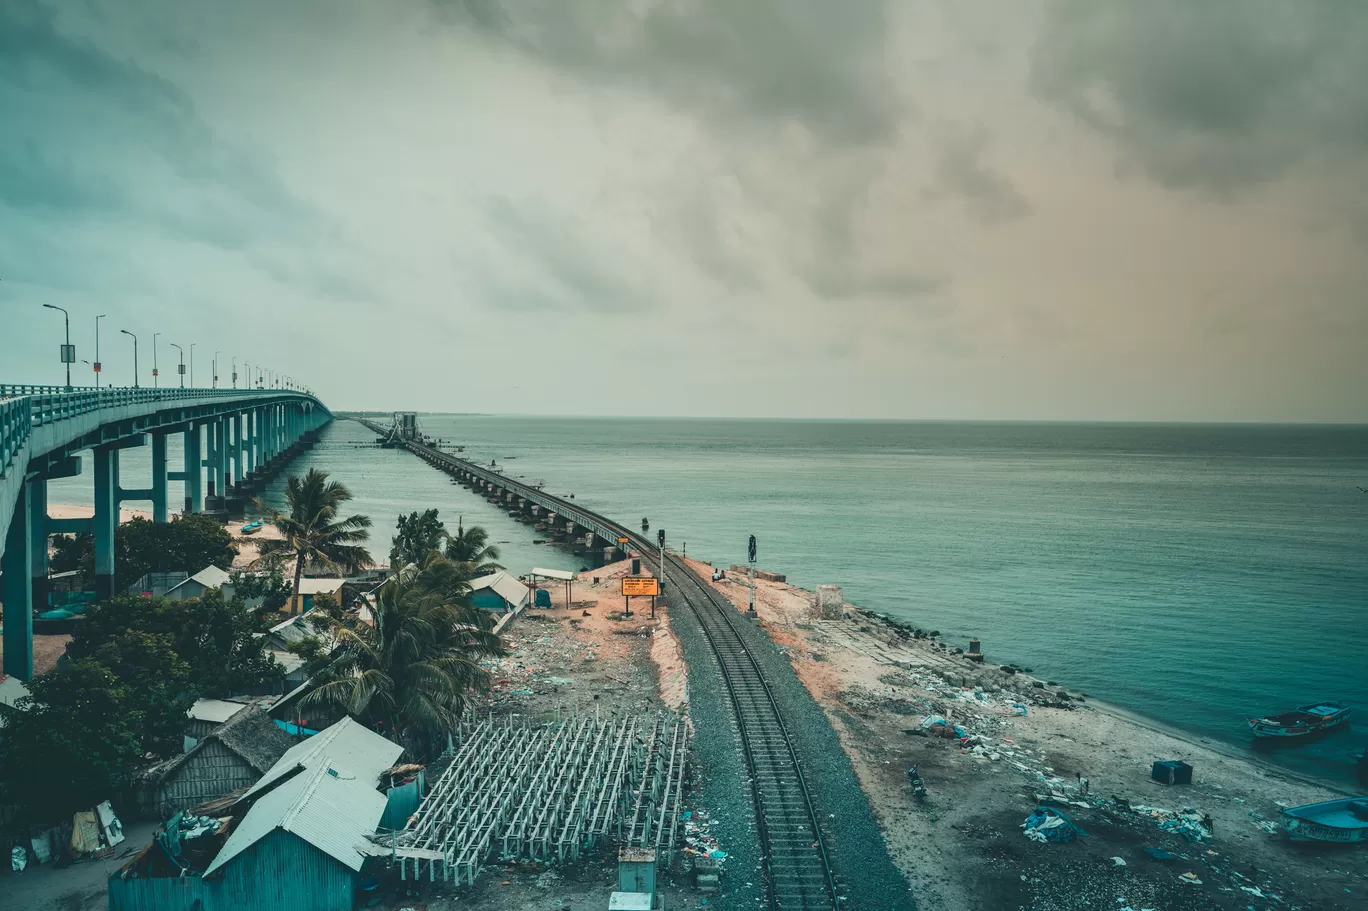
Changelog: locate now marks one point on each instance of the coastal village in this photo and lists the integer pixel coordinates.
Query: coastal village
(571, 780)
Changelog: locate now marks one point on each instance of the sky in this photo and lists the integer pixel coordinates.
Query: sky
(1017, 209)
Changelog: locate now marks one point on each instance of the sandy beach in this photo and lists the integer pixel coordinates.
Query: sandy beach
(247, 549)
(963, 846)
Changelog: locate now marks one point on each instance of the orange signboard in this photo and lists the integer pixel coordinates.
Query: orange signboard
(640, 585)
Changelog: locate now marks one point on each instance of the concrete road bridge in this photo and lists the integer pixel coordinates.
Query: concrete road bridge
(234, 440)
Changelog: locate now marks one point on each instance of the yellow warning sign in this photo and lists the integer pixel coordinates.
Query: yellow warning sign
(640, 585)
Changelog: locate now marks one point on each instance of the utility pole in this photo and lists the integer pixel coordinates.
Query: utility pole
(750, 557)
(96, 365)
(180, 367)
(135, 356)
(660, 536)
(154, 359)
(192, 364)
(234, 373)
(68, 351)
(216, 354)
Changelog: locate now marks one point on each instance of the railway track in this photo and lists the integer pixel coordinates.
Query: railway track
(798, 873)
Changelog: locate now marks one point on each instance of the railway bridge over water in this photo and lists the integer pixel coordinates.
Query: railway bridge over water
(781, 732)
(234, 439)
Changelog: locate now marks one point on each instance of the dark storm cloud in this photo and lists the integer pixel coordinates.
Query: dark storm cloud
(560, 269)
(818, 63)
(960, 171)
(86, 130)
(1219, 95)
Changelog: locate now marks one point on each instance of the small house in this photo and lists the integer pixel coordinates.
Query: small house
(295, 839)
(310, 589)
(197, 585)
(12, 689)
(498, 592)
(234, 755)
(207, 714)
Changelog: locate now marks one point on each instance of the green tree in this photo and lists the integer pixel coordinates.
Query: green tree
(72, 744)
(74, 552)
(186, 543)
(410, 673)
(215, 638)
(470, 548)
(420, 533)
(270, 587)
(312, 533)
(157, 680)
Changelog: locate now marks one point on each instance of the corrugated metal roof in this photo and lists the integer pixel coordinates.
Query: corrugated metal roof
(346, 746)
(215, 711)
(320, 586)
(209, 577)
(561, 574)
(507, 587)
(324, 806)
(12, 689)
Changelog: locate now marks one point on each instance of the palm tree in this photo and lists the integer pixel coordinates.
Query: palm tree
(410, 672)
(470, 549)
(312, 533)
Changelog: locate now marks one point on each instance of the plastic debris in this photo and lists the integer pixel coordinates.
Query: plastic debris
(1190, 878)
(1119, 861)
(1048, 824)
(1161, 855)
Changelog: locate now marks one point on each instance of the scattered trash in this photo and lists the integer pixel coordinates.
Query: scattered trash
(1161, 855)
(1048, 824)
(1119, 861)
(1190, 878)
(18, 859)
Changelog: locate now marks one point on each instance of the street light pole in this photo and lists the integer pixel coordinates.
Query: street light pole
(68, 353)
(96, 365)
(192, 364)
(154, 359)
(180, 368)
(135, 355)
(216, 354)
(234, 373)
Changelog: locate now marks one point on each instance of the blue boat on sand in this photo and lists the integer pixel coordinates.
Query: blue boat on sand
(1301, 722)
(1341, 821)
(252, 528)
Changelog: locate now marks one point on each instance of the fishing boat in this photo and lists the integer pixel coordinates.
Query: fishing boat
(252, 528)
(1344, 821)
(1301, 722)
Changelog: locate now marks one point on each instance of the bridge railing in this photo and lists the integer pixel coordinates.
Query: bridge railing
(23, 407)
(15, 423)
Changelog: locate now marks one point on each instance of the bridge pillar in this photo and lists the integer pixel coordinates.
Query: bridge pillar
(239, 463)
(194, 465)
(106, 518)
(159, 498)
(212, 484)
(18, 592)
(38, 541)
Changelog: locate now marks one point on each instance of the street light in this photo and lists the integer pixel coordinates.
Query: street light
(180, 368)
(249, 374)
(154, 359)
(68, 352)
(216, 354)
(135, 356)
(96, 365)
(234, 373)
(192, 364)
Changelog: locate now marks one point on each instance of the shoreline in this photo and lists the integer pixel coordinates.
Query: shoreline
(1024, 745)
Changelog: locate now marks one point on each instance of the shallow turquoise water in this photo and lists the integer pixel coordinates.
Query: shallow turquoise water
(1196, 574)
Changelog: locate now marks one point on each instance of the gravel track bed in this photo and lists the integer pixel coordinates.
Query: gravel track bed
(866, 875)
(724, 785)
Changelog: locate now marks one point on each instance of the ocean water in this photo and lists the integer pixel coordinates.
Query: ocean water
(1194, 574)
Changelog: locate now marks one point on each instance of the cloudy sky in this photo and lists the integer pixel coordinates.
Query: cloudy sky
(1092, 209)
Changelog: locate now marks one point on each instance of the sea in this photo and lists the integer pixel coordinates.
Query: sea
(1194, 574)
